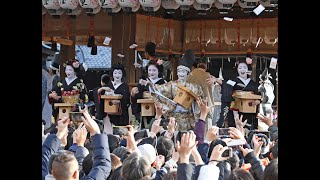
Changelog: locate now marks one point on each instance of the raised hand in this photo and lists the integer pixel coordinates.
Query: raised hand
(212, 133)
(188, 141)
(62, 127)
(90, 124)
(203, 108)
(265, 119)
(134, 91)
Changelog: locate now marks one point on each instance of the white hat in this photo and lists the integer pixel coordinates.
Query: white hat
(148, 151)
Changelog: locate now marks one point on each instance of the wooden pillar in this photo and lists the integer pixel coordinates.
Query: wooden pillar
(254, 69)
(67, 52)
(174, 62)
(123, 35)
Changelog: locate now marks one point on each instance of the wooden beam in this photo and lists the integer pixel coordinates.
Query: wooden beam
(123, 35)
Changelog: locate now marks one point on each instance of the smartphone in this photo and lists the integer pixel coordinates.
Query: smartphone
(236, 142)
(141, 134)
(75, 116)
(227, 153)
(164, 122)
(120, 130)
(224, 132)
(179, 136)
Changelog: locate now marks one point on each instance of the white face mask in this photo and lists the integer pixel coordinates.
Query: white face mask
(69, 72)
(117, 75)
(242, 70)
(182, 74)
(153, 72)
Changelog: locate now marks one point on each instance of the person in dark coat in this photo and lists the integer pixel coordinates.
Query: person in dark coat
(154, 77)
(119, 87)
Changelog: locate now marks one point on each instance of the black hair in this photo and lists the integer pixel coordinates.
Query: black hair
(274, 150)
(121, 152)
(213, 144)
(105, 78)
(240, 174)
(113, 142)
(159, 67)
(164, 147)
(150, 48)
(70, 63)
(116, 174)
(118, 66)
(271, 170)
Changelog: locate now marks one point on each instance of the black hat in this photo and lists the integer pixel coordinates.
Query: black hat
(150, 48)
(54, 64)
(187, 59)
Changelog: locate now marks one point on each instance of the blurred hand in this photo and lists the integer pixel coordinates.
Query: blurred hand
(211, 80)
(62, 127)
(265, 119)
(90, 124)
(175, 155)
(245, 151)
(256, 145)
(64, 140)
(188, 141)
(131, 143)
(217, 152)
(212, 133)
(159, 109)
(54, 95)
(204, 109)
(80, 135)
(134, 91)
(236, 133)
(160, 160)
(239, 123)
(155, 128)
(172, 124)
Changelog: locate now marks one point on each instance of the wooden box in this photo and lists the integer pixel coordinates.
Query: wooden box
(147, 107)
(184, 97)
(243, 98)
(109, 107)
(146, 95)
(64, 109)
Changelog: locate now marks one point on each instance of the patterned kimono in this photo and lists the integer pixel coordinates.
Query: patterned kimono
(185, 118)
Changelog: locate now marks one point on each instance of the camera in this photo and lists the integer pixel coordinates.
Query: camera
(179, 136)
(76, 116)
(227, 153)
(224, 133)
(164, 122)
(141, 134)
(82, 105)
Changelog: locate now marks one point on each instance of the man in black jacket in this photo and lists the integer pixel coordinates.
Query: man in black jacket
(65, 165)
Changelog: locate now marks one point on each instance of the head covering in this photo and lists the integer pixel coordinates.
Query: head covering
(187, 60)
(72, 63)
(148, 151)
(54, 63)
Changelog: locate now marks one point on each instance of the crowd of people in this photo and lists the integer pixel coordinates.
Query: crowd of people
(212, 139)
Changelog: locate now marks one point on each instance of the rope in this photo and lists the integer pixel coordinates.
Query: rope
(219, 32)
(157, 35)
(238, 32)
(169, 39)
(68, 26)
(200, 35)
